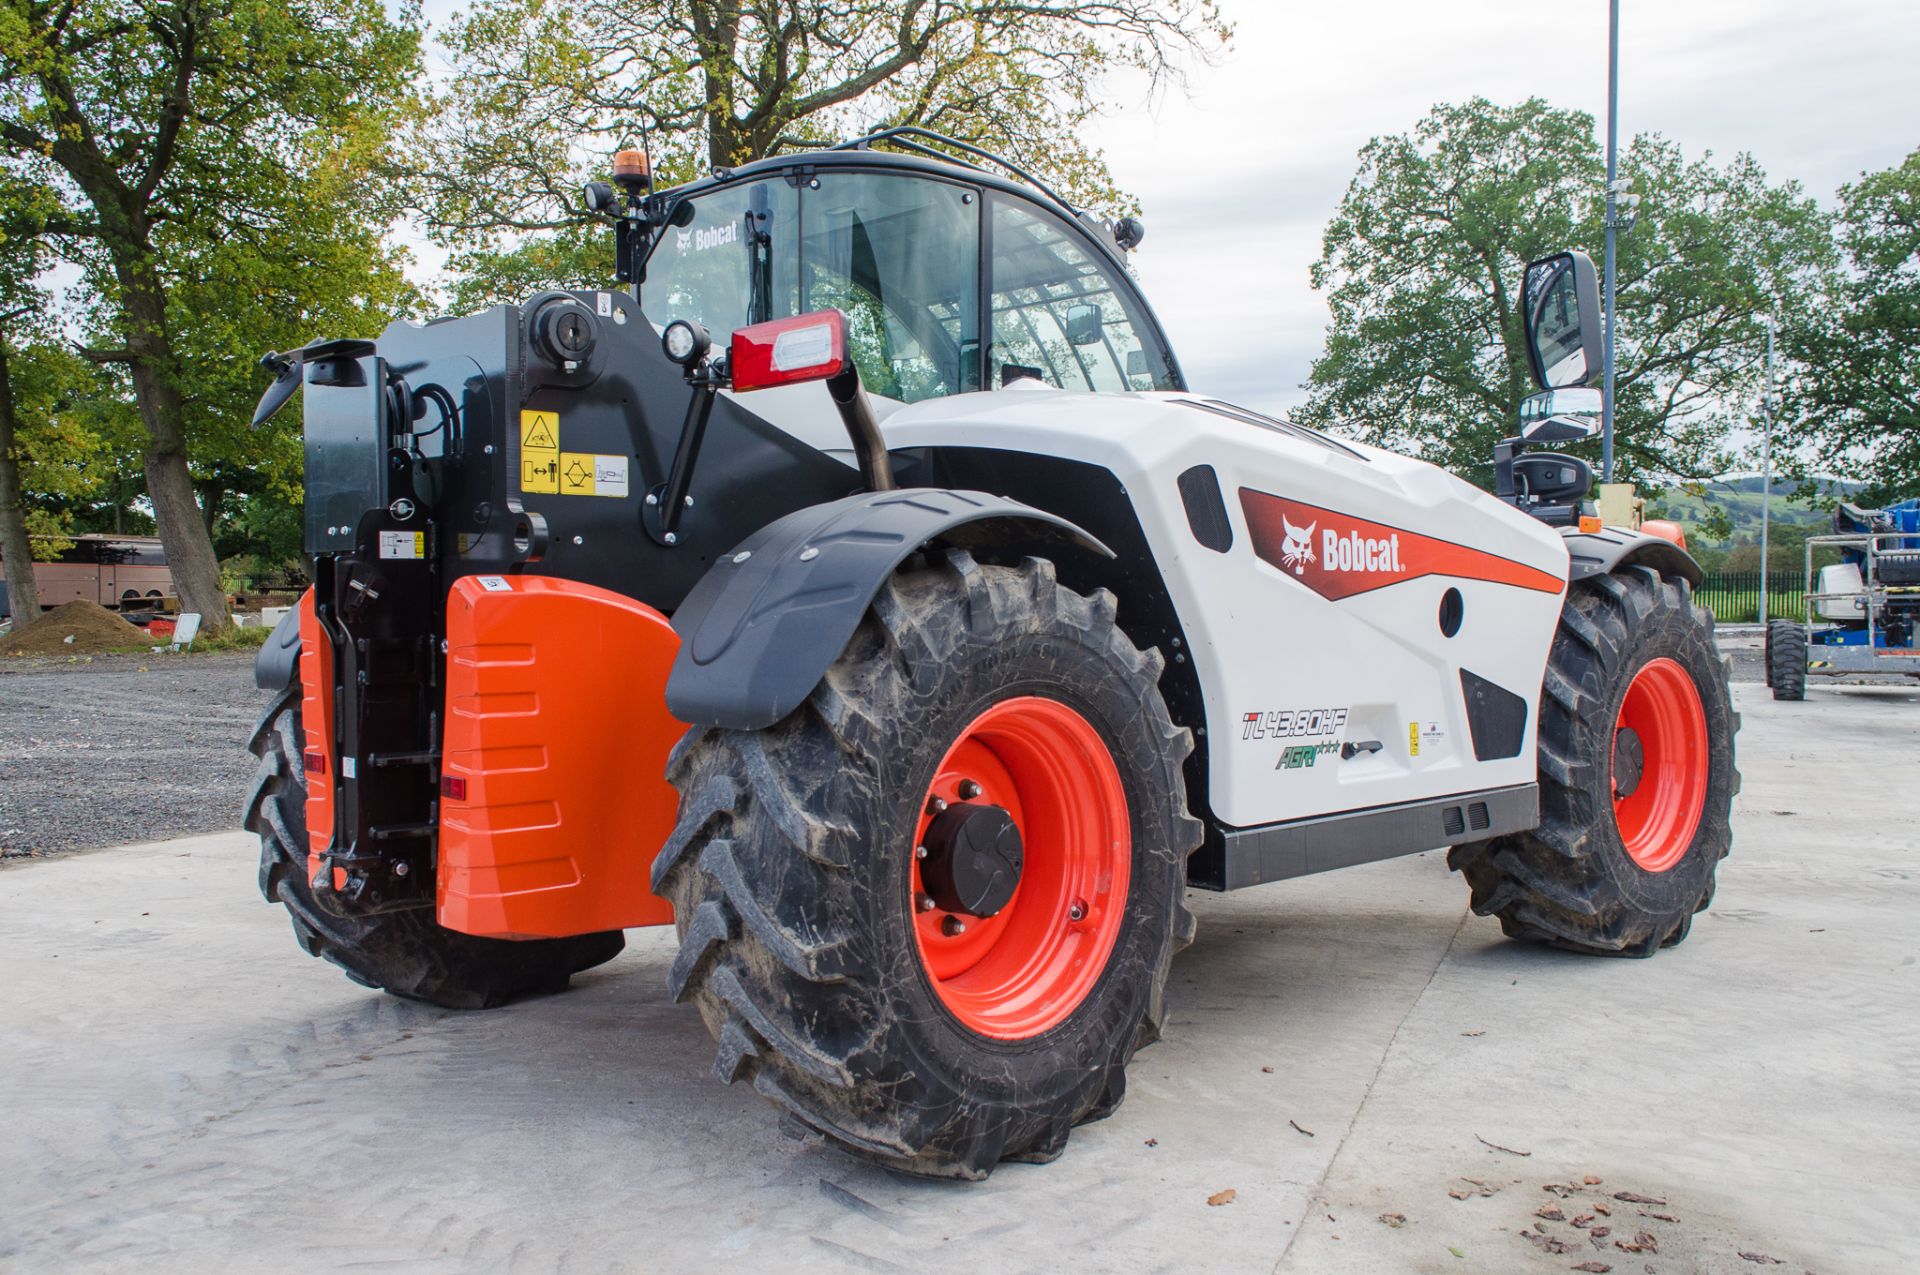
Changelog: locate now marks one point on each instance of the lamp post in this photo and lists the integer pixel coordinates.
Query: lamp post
(1613, 177)
(1766, 473)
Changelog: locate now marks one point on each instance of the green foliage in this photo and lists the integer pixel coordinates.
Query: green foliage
(1854, 396)
(1422, 265)
(542, 93)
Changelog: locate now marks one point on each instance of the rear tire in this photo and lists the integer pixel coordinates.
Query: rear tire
(1787, 659)
(1598, 875)
(795, 882)
(406, 953)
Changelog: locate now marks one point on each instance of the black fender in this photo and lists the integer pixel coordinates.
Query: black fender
(1595, 553)
(273, 667)
(761, 628)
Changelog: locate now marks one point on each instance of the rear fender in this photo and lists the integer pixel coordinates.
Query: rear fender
(273, 668)
(1595, 553)
(762, 626)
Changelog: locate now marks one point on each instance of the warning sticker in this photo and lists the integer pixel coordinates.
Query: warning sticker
(1413, 739)
(585, 474)
(494, 584)
(540, 451)
(403, 544)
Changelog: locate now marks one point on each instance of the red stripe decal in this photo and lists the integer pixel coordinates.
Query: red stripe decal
(1337, 555)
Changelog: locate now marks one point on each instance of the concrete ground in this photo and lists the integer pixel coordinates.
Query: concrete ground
(185, 1090)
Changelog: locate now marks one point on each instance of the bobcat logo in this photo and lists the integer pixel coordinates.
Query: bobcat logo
(1296, 550)
(685, 240)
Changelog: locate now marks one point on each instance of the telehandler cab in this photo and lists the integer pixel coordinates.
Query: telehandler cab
(917, 700)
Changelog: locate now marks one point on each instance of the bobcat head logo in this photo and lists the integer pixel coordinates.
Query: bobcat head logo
(1296, 550)
(685, 240)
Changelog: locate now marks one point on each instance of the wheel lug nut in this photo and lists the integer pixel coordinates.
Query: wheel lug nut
(924, 903)
(936, 805)
(953, 926)
(919, 852)
(968, 790)
(1078, 912)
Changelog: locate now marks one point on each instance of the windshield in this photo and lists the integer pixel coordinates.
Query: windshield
(898, 254)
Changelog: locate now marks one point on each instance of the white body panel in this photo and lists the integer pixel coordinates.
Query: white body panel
(1265, 643)
(1841, 577)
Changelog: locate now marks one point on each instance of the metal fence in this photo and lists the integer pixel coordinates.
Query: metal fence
(1734, 596)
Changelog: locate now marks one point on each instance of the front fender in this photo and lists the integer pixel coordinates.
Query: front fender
(1595, 553)
(760, 629)
(273, 668)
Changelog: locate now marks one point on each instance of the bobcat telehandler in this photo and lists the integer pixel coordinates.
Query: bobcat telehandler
(865, 592)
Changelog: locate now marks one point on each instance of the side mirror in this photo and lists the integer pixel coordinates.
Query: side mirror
(1083, 324)
(1561, 307)
(1561, 416)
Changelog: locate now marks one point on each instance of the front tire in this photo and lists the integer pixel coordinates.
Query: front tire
(408, 954)
(1637, 777)
(811, 939)
(1787, 659)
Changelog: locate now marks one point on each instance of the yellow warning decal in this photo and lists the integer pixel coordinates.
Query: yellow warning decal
(1413, 739)
(540, 452)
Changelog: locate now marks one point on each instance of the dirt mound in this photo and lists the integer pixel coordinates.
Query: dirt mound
(92, 627)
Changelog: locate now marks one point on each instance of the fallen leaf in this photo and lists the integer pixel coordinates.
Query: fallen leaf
(1596, 1268)
(1395, 1220)
(1478, 1033)
(1546, 1243)
(1153, 1142)
(1456, 1252)
(1761, 1258)
(1267, 1070)
(1218, 1198)
(1551, 1212)
(1602, 1208)
(1659, 1217)
(1560, 1189)
(1510, 1151)
(1298, 1129)
(1641, 1243)
(1601, 1232)
(1583, 1219)
(1634, 1197)
(1590, 1180)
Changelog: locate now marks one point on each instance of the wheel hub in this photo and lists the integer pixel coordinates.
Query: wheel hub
(1629, 761)
(974, 858)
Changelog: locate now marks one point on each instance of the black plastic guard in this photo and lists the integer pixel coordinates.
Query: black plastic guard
(273, 667)
(759, 630)
(1594, 553)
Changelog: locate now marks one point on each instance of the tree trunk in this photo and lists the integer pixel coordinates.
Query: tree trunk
(190, 557)
(16, 551)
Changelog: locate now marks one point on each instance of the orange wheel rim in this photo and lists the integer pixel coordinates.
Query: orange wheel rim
(1661, 734)
(1027, 967)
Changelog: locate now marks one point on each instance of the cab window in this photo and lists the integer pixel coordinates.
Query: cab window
(734, 257)
(1061, 313)
(900, 256)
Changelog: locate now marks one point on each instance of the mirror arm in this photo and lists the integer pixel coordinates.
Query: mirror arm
(1504, 453)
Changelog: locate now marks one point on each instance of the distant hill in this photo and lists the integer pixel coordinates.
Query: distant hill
(1740, 497)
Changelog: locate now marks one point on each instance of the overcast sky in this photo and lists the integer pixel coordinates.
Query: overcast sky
(1239, 173)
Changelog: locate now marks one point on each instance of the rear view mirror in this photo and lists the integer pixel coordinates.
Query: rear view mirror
(1083, 324)
(1560, 416)
(1561, 307)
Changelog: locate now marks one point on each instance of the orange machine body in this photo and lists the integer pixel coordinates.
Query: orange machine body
(554, 799)
(316, 722)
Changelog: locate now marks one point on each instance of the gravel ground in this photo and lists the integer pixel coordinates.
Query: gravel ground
(120, 748)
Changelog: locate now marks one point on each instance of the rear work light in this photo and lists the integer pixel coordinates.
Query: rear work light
(807, 347)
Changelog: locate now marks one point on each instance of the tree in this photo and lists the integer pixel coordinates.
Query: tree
(20, 258)
(1422, 263)
(542, 93)
(1853, 400)
(208, 143)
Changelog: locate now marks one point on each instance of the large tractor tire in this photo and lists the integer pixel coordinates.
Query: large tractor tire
(1637, 776)
(930, 913)
(406, 953)
(1787, 659)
